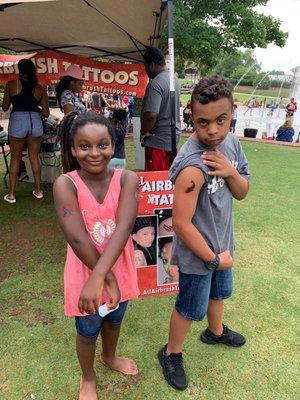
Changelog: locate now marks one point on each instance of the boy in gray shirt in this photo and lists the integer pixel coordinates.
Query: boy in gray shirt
(210, 169)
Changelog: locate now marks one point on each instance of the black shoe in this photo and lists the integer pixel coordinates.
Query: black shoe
(172, 366)
(228, 337)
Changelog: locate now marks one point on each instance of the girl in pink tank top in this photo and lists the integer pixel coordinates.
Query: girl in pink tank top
(96, 208)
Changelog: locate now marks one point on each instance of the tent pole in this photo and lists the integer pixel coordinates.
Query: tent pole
(172, 78)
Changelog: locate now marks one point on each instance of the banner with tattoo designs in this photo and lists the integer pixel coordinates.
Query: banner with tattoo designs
(153, 236)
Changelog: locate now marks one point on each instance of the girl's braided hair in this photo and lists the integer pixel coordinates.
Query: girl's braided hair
(67, 130)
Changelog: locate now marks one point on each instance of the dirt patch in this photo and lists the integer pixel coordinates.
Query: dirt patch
(118, 390)
(19, 311)
(33, 316)
(4, 274)
(41, 316)
(18, 240)
(23, 299)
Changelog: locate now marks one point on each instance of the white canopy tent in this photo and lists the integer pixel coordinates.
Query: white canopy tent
(116, 29)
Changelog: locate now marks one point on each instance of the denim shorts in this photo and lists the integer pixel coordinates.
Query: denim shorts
(89, 326)
(196, 290)
(23, 123)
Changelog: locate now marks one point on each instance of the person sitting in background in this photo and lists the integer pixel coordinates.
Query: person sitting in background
(119, 122)
(286, 132)
(68, 90)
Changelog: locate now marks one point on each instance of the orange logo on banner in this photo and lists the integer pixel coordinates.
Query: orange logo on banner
(123, 79)
(153, 236)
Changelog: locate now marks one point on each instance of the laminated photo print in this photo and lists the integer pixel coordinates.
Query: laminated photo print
(165, 226)
(144, 235)
(167, 273)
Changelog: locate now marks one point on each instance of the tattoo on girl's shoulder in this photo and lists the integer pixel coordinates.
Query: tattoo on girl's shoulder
(191, 187)
(67, 212)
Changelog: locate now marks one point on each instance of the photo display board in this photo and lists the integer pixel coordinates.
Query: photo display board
(152, 236)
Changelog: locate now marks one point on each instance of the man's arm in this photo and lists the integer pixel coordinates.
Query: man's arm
(151, 106)
(148, 120)
(237, 184)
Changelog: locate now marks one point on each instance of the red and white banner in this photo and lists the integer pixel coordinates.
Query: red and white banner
(153, 236)
(110, 78)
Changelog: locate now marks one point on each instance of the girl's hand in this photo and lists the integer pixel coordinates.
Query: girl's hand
(89, 298)
(226, 261)
(220, 164)
(113, 290)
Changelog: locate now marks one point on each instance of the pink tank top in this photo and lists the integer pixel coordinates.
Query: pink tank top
(99, 220)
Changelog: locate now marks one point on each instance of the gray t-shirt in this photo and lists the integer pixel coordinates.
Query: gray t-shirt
(213, 215)
(157, 100)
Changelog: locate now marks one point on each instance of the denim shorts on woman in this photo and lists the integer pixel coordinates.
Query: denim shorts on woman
(23, 123)
(196, 290)
(89, 326)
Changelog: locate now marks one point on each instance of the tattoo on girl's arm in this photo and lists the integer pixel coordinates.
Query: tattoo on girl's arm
(67, 212)
(190, 188)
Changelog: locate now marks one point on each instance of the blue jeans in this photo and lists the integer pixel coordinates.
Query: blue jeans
(196, 290)
(89, 326)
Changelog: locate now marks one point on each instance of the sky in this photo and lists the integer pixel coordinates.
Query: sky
(274, 57)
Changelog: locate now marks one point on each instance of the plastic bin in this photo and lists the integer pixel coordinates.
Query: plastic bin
(250, 132)
(50, 166)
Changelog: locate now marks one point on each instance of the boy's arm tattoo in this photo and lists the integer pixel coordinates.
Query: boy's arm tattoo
(191, 187)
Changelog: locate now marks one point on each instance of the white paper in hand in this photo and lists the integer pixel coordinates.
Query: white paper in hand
(104, 310)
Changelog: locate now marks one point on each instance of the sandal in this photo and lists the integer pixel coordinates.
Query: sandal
(9, 200)
(39, 195)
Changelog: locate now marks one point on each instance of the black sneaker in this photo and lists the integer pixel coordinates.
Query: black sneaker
(228, 337)
(172, 366)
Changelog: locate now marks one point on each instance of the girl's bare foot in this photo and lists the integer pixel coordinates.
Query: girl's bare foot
(121, 364)
(88, 389)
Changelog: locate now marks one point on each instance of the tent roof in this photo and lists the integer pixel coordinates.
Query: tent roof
(117, 29)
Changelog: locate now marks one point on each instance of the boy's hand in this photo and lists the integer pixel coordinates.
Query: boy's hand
(226, 261)
(113, 290)
(220, 164)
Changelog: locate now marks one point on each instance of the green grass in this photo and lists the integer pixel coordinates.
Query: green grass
(37, 341)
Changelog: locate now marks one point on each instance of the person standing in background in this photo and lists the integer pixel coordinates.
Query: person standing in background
(29, 102)
(68, 90)
(234, 119)
(156, 113)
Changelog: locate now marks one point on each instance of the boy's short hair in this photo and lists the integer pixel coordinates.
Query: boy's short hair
(154, 55)
(212, 88)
